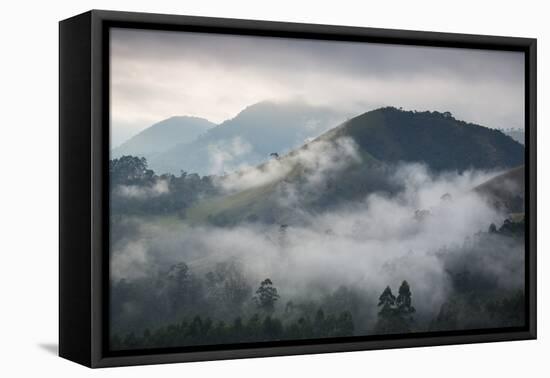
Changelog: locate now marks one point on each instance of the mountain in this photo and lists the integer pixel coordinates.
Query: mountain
(436, 139)
(516, 134)
(353, 160)
(249, 138)
(506, 191)
(163, 135)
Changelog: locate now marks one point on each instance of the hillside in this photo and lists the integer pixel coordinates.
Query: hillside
(516, 134)
(249, 138)
(436, 139)
(506, 191)
(163, 136)
(380, 139)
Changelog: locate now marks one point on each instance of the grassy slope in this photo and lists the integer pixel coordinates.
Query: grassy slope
(256, 200)
(246, 202)
(506, 190)
(387, 135)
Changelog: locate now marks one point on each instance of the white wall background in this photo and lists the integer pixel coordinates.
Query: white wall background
(29, 187)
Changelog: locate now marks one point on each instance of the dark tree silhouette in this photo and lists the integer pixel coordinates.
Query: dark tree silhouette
(404, 300)
(386, 300)
(129, 170)
(395, 315)
(180, 286)
(266, 296)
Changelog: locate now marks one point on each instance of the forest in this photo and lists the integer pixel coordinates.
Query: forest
(174, 302)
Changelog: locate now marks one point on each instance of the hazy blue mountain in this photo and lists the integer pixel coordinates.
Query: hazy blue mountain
(382, 138)
(163, 135)
(249, 138)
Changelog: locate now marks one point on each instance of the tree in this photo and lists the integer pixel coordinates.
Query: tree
(179, 274)
(283, 234)
(395, 316)
(266, 296)
(422, 215)
(254, 327)
(129, 170)
(180, 286)
(446, 197)
(227, 286)
(319, 323)
(386, 301)
(345, 324)
(272, 328)
(404, 300)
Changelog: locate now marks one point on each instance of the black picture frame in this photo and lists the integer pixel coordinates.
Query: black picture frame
(84, 186)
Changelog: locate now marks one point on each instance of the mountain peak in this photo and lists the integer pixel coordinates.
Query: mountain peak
(164, 135)
(250, 137)
(281, 107)
(436, 138)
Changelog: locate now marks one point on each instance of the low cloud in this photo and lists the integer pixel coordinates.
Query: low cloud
(159, 188)
(224, 155)
(314, 162)
(379, 241)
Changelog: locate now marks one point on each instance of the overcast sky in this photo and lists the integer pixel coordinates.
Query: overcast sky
(158, 74)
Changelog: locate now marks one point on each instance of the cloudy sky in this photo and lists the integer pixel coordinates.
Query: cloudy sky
(158, 74)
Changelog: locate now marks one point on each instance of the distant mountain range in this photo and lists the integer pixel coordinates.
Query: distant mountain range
(380, 138)
(248, 139)
(196, 145)
(265, 129)
(163, 136)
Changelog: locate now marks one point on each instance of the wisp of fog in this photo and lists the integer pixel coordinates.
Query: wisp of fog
(383, 239)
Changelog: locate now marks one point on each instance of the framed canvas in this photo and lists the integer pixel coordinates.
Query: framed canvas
(234, 188)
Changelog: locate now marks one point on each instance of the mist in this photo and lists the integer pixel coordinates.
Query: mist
(415, 235)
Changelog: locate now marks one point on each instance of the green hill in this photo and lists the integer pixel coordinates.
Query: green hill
(436, 139)
(506, 191)
(381, 138)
